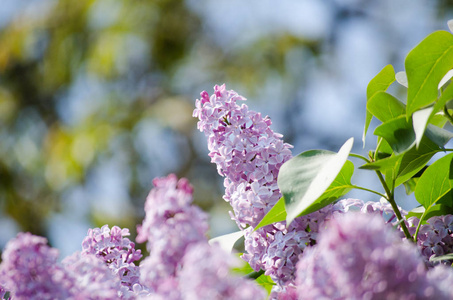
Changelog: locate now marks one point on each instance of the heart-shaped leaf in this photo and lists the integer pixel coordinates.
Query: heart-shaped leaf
(276, 214)
(380, 82)
(403, 166)
(385, 107)
(304, 178)
(227, 241)
(436, 182)
(398, 133)
(420, 120)
(425, 66)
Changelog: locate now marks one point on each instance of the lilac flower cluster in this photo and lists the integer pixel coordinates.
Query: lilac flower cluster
(181, 266)
(92, 277)
(171, 224)
(198, 280)
(359, 257)
(29, 268)
(115, 250)
(276, 248)
(436, 237)
(247, 153)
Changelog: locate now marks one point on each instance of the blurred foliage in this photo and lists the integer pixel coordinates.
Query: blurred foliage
(44, 51)
(79, 78)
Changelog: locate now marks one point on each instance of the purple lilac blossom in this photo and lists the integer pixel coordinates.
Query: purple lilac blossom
(288, 292)
(206, 275)
(358, 256)
(246, 150)
(436, 238)
(115, 250)
(168, 289)
(29, 269)
(276, 248)
(171, 224)
(92, 278)
(441, 276)
(249, 155)
(3, 292)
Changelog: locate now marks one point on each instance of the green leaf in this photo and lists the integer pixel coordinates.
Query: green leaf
(385, 107)
(448, 256)
(425, 66)
(415, 159)
(384, 147)
(380, 82)
(446, 96)
(410, 185)
(227, 241)
(435, 182)
(339, 187)
(438, 135)
(266, 282)
(382, 164)
(304, 178)
(420, 120)
(438, 120)
(401, 78)
(398, 133)
(445, 79)
(447, 199)
(406, 165)
(244, 269)
(276, 214)
(434, 211)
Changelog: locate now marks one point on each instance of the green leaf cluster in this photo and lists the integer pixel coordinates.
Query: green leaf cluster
(411, 132)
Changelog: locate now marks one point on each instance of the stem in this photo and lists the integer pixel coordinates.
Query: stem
(359, 156)
(377, 148)
(391, 199)
(450, 118)
(418, 226)
(255, 275)
(368, 190)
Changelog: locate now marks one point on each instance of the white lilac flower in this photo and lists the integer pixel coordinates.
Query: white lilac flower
(246, 151)
(359, 256)
(206, 275)
(171, 224)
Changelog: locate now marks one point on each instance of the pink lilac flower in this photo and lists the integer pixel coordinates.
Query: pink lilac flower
(358, 256)
(246, 151)
(276, 248)
(29, 269)
(92, 278)
(436, 237)
(171, 224)
(288, 292)
(115, 250)
(206, 275)
(3, 292)
(441, 277)
(168, 289)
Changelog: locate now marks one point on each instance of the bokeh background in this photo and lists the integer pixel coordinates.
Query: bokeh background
(96, 96)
